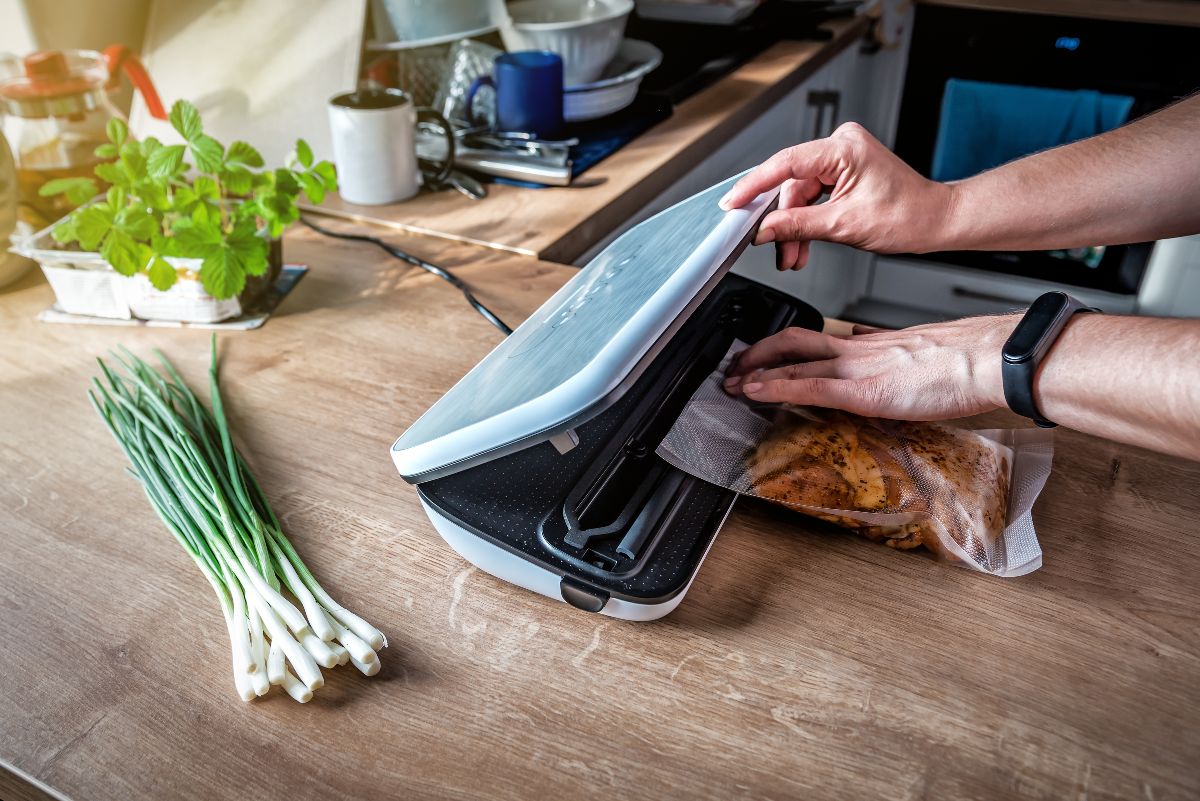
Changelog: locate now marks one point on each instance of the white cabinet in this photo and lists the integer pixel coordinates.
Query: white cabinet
(1171, 287)
(836, 275)
(914, 284)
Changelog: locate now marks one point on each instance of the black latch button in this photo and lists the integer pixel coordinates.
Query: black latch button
(581, 596)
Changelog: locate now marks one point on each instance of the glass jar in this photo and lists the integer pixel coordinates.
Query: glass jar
(56, 109)
(12, 266)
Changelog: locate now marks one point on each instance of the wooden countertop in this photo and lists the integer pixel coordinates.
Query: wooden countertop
(804, 663)
(561, 223)
(1167, 12)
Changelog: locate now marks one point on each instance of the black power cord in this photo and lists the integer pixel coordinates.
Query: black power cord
(404, 256)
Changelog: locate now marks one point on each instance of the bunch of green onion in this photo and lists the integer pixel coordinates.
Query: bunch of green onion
(200, 486)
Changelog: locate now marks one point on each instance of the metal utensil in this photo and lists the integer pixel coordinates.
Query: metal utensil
(467, 184)
(521, 164)
(555, 151)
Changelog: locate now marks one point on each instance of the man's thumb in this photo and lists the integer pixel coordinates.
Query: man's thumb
(797, 225)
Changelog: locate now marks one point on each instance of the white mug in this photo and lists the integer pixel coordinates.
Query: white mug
(374, 146)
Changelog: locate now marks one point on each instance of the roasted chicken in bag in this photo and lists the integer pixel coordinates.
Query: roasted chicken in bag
(942, 478)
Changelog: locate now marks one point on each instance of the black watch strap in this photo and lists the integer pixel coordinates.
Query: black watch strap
(1028, 345)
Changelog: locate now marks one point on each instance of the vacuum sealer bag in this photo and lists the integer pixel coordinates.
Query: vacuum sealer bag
(964, 495)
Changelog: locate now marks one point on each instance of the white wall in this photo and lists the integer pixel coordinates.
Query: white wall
(16, 35)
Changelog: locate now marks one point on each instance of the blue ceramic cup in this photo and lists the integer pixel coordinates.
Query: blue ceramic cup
(529, 92)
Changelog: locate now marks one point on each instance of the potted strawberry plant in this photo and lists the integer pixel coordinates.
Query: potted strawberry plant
(187, 231)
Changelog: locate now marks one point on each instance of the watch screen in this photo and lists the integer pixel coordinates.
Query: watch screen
(1023, 343)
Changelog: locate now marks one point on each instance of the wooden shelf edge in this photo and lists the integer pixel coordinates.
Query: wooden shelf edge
(16, 785)
(1166, 12)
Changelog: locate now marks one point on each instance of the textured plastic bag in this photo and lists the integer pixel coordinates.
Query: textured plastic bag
(965, 495)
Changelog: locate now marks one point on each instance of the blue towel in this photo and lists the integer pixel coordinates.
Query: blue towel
(984, 125)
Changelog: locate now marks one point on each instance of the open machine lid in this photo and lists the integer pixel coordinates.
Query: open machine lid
(577, 354)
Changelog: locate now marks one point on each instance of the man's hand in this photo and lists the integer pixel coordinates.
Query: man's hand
(876, 201)
(929, 372)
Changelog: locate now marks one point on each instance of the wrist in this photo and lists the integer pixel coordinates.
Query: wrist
(939, 230)
(1054, 373)
(987, 380)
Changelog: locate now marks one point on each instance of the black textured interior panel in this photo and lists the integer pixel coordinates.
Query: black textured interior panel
(521, 502)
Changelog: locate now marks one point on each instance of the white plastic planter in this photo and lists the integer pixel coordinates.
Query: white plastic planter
(186, 301)
(84, 283)
(91, 291)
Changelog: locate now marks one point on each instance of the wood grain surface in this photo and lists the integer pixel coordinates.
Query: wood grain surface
(803, 664)
(1166, 12)
(560, 223)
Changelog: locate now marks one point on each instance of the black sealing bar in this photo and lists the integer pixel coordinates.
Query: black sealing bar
(648, 518)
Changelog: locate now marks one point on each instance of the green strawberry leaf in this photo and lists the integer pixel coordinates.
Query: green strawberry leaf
(206, 188)
(249, 246)
(92, 224)
(207, 152)
(195, 238)
(237, 180)
(243, 155)
(82, 193)
(113, 174)
(254, 256)
(57, 186)
(119, 250)
(161, 274)
(105, 151)
(186, 120)
(64, 232)
(167, 246)
(257, 263)
(133, 160)
(285, 181)
(328, 175)
(206, 216)
(183, 199)
(312, 187)
(304, 153)
(223, 273)
(280, 207)
(153, 194)
(165, 162)
(136, 222)
(77, 190)
(117, 131)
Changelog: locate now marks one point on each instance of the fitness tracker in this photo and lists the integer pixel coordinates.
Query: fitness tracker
(1029, 343)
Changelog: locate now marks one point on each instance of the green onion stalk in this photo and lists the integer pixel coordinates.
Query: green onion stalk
(200, 486)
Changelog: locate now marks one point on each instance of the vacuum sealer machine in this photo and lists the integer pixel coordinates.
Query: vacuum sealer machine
(539, 466)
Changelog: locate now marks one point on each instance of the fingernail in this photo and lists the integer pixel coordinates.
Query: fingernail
(733, 379)
(750, 389)
(724, 202)
(764, 236)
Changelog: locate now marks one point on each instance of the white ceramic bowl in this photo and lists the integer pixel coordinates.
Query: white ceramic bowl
(586, 33)
(617, 86)
(429, 22)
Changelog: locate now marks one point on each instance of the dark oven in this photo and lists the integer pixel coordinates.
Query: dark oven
(986, 87)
